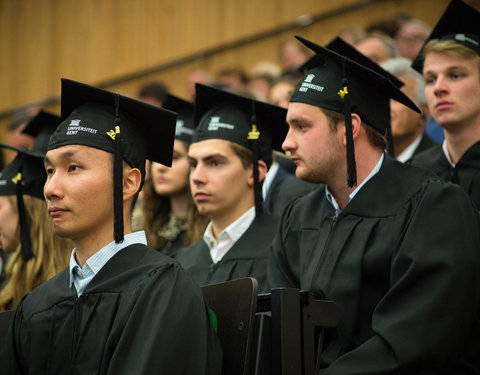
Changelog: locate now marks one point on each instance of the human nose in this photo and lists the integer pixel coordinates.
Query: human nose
(52, 188)
(440, 86)
(289, 143)
(197, 175)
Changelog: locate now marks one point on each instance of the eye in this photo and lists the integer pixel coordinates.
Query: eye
(72, 168)
(455, 75)
(429, 80)
(192, 163)
(49, 171)
(215, 163)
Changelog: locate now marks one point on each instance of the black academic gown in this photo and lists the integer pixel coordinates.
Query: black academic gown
(425, 143)
(466, 172)
(246, 258)
(285, 187)
(401, 261)
(141, 314)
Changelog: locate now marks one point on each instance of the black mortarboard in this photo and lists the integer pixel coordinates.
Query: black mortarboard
(130, 129)
(24, 175)
(343, 48)
(341, 84)
(460, 23)
(184, 109)
(41, 127)
(258, 126)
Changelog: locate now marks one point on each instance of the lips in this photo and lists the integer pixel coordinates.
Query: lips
(443, 105)
(56, 212)
(201, 196)
(296, 160)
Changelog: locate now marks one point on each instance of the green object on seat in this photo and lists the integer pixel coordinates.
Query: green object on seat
(213, 318)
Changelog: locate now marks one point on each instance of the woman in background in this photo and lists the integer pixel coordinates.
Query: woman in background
(26, 232)
(169, 216)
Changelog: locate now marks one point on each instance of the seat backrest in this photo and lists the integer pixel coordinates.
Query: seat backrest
(6, 318)
(234, 304)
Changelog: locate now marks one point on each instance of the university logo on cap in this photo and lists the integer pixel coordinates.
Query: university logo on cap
(216, 123)
(307, 84)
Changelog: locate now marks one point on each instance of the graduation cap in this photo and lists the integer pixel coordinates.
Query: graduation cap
(460, 23)
(24, 175)
(343, 48)
(257, 126)
(184, 110)
(130, 129)
(341, 84)
(41, 128)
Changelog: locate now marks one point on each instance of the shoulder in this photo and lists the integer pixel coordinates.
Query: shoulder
(49, 293)
(190, 255)
(429, 157)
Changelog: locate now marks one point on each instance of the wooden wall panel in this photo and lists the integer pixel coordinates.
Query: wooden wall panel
(97, 40)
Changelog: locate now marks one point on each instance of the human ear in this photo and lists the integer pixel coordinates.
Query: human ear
(262, 171)
(132, 178)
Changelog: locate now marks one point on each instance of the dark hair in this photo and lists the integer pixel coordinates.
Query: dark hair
(374, 137)
(155, 90)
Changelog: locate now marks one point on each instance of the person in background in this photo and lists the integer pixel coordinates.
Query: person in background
(293, 55)
(232, 77)
(377, 48)
(230, 154)
(450, 64)
(15, 135)
(410, 38)
(169, 216)
(37, 254)
(197, 76)
(153, 93)
(408, 127)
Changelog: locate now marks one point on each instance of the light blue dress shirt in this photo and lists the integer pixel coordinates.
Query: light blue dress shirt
(81, 276)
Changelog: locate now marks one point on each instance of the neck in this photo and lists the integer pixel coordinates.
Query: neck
(365, 161)
(179, 204)
(460, 141)
(220, 222)
(88, 245)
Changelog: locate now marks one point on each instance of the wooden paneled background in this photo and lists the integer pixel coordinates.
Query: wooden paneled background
(98, 41)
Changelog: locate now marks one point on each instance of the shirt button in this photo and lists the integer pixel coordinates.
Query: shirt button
(79, 273)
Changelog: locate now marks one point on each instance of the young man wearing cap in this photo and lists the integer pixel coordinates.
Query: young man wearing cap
(451, 70)
(226, 155)
(382, 238)
(121, 307)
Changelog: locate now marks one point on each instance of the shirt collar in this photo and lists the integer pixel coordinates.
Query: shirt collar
(373, 172)
(269, 176)
(102, 256)
(234, 231)
(447, 155)
(408, 152)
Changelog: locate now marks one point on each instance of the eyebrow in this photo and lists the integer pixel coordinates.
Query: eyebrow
(64, 154)
(208, 157)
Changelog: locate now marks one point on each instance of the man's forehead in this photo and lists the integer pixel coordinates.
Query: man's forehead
(210, 147)
(297, 111)
(434, 58)
(70, 151)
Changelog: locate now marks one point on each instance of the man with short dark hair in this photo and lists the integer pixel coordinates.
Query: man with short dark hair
(120, 307)
(230, 154)
(381, 239)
